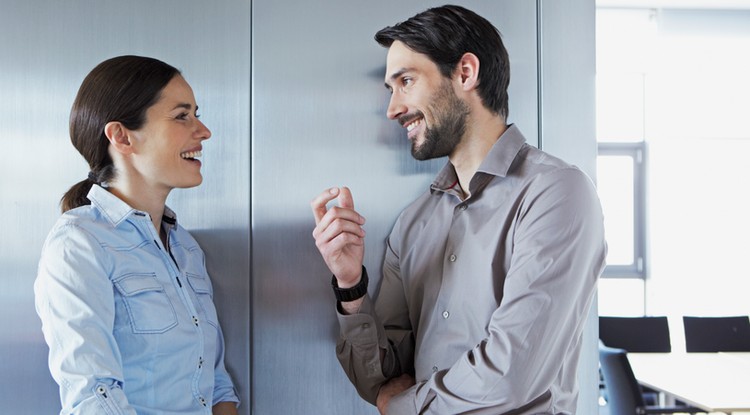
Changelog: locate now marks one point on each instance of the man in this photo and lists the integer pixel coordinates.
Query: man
(489, 275)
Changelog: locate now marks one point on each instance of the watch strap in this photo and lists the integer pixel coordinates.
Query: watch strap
(354, 293)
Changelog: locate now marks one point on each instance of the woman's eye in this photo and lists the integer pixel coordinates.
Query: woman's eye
(183, 116)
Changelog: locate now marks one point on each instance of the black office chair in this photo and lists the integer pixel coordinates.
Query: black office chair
(624, 395)
(636, 334)
(717, 334)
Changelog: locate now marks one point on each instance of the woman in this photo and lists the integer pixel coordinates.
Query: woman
(122, 291)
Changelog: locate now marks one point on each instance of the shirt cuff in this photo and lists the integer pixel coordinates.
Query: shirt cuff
(362, 328)
(404, 402)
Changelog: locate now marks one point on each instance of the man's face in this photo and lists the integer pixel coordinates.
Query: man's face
(424, 102)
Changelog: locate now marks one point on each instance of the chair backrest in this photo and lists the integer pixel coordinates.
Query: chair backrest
(636, 334)
(717, 334)
(622, 389)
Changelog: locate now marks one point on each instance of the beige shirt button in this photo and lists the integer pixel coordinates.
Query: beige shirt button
(446, 314)
(434, 368)
(452, 258)
(463, 207)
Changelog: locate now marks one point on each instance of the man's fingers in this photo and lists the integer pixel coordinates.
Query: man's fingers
(328, 231)
(345, 198)
(318, 204)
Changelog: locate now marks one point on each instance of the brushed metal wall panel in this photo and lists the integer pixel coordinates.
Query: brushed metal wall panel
(319, 121)
(46, 48)
(568, 131)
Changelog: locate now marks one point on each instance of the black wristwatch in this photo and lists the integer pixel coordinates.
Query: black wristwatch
(353, 293)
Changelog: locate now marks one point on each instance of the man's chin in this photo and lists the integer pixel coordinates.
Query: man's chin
(427, 152)
(419, 153)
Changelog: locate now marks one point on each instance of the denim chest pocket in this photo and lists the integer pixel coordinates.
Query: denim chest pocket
(146, 302)
(202, 288)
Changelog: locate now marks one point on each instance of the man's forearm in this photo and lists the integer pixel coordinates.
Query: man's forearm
(392, 388)
(351, 307)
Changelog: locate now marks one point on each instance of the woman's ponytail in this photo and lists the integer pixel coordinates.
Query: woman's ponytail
(76, 195)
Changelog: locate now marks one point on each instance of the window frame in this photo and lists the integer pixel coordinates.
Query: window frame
(638, 269)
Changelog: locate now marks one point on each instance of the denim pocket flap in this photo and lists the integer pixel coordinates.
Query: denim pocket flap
(199, 283)
(132, 284)
(146, 302)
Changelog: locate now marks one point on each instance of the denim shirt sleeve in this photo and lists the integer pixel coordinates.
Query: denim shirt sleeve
(224, 390)
(75, 301)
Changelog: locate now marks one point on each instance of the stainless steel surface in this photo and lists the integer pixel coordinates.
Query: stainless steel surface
(568, 129)
(46, 48)
(319, 121)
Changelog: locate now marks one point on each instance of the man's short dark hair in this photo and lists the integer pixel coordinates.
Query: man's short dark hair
(444, 34)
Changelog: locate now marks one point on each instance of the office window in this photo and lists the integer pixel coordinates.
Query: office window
(622, 64)
(620, 175)
(673, 95)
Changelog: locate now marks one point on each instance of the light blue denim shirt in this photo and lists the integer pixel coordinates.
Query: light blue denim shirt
(131, 328)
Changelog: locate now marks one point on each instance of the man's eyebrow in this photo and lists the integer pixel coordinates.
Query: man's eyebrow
(395, 76)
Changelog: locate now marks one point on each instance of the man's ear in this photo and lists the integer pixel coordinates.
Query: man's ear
(468, 71)
(118, 137)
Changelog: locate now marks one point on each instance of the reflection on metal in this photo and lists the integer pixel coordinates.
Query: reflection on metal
(319, 121)
(48, 47)
(567, 123)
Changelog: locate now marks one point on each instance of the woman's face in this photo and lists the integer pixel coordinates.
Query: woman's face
(170, 142)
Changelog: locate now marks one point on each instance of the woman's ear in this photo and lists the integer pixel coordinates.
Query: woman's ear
(468, 68)
(118, 137)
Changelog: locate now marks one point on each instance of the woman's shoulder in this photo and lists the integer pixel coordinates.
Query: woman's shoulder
(83, 222)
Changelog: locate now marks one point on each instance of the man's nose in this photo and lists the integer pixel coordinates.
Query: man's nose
(396, 106)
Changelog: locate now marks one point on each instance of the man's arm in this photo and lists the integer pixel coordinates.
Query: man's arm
(393, 387)
(363, 346)
(558, 254)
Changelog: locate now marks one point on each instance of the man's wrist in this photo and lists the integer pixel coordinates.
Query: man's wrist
(354, 293)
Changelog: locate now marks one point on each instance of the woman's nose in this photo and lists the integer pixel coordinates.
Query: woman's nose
(203, 131)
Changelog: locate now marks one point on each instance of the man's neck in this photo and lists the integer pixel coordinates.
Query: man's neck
(483, 130)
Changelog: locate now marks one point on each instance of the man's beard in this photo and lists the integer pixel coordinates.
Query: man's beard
(449, 114)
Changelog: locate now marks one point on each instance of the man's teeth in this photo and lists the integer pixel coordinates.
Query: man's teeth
(191, 154)
(412, 125)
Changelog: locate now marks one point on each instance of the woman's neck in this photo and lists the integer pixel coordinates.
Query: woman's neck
(144, 199)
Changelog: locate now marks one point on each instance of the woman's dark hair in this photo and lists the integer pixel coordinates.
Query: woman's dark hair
(444, 34)
(118, 89)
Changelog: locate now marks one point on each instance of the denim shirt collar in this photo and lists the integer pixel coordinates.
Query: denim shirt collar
(116, 211)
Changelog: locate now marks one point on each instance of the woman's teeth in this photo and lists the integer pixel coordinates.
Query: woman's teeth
(191, 154)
